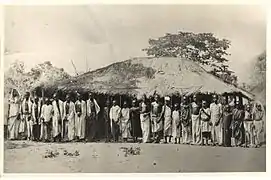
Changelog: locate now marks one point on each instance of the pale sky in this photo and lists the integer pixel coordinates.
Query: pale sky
(103, 34)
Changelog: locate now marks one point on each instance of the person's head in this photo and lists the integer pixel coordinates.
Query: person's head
(134, 103)
(55, 97)
(167, 100)
(195, 98)
(156, 97)
(79, 97)
(68, 98)
(47, 101)
(215, 99)
(125, 104)
(227, 108)
(259, 107)
(144, 98)
(185, 100)
(107, 103)
(176, 106)
(36, 99)
(238, 105)
(114, 102)
(248, 107)
(231, 98)
(204, 104)
(27, 95)
(224, 100)
(90, 95)
(14, 93)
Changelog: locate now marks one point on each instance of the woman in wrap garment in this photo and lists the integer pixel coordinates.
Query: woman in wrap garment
(135, 121)
(238, 115)
(167, 114)
(226, 123)
(13, 115)
(186, 120)
(69, 120)
(125, 122)
(80, 118)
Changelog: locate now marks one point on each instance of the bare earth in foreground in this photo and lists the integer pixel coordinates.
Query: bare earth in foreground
(27, 157)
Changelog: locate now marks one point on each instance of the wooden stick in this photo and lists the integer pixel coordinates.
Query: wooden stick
(8, 135)
(120, 101)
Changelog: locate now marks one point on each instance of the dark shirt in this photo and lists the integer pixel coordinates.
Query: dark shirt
(92, 107)
(185, 114)
(67, 108)
(36, 111)
(106, 113)
(78, 107)
(26, 106)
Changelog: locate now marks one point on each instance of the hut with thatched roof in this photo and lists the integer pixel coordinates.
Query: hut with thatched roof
(138, 76)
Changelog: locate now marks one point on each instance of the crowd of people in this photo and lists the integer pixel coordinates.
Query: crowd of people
(156, 120)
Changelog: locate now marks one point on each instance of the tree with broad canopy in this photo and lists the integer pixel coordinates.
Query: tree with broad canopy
(203, 48)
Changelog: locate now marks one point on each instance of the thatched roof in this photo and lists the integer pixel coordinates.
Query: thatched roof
(146, 75)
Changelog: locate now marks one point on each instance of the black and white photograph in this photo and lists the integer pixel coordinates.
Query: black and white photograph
(134, 88)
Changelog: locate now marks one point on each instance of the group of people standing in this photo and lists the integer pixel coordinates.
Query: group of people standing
(196, 122)
(52, 119)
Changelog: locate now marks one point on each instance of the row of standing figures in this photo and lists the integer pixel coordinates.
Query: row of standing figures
(196, 123)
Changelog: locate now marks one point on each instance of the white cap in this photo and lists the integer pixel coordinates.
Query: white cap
(167, 98)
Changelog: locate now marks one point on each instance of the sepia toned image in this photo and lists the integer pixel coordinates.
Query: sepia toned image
(134, 88)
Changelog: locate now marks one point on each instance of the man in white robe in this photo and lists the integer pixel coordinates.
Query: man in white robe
(57, 117)
(13, 115)
(145, 119)
(125, 122)
(114, 115)
(26, 122)
(68, 122)
(46, 119)
(93, 110)
(167, 114)
(80, 118)
(216, 115)
(157, 123)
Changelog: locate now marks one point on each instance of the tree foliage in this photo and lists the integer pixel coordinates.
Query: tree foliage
(17, 77)
(257, 82)
(17, 67)
(203, 48)
(225, 74)
(258, 77)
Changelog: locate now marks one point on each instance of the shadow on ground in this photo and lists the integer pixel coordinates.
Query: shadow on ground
(14, 145)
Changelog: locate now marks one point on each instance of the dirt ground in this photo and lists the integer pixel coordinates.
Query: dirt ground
(27, 157)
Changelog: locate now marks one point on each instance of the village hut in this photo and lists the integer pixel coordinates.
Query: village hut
(138, 76)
